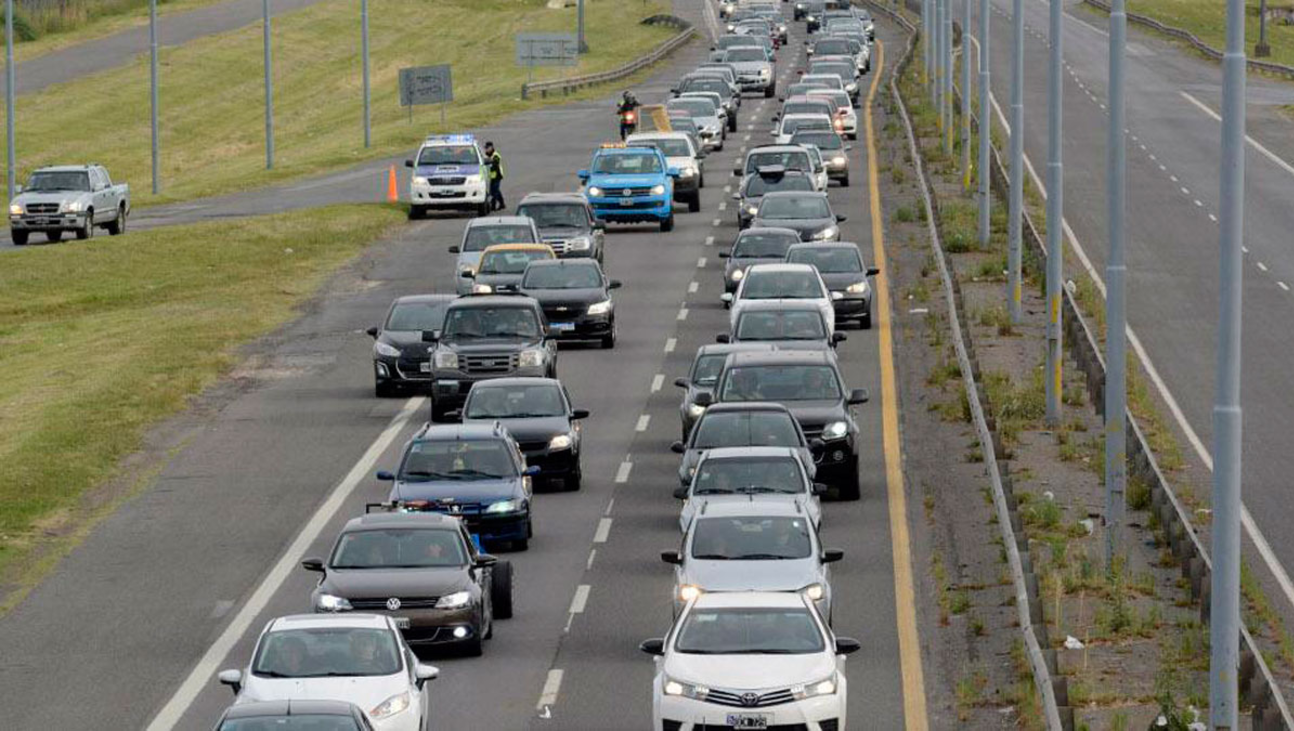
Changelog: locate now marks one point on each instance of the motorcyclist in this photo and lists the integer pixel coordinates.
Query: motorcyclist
(628, 111)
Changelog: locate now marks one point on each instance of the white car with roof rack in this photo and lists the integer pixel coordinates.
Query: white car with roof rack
(744, 474)
(448, 172)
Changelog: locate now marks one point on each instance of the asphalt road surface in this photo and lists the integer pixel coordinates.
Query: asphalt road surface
(180, 580)
(1173, 148)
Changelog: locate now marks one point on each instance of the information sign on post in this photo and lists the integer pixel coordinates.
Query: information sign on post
(547, 49)
(426, 85)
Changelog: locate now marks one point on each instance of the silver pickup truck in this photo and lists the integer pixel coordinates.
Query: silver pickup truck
(75, 198)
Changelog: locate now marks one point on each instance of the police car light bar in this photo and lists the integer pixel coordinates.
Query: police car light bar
(614, 146)
(452, 139)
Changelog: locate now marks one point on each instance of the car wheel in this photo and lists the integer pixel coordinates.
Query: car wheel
(87, 231)
(416, 212)
(609, 341)
(849, 489)
(865, 322)
(54, 236)
(700, 182)
(483, 210)
(844, 182)
(667, 224)
(474, 647)
(118, 225)
(770, 91)
(694, 202)
(522, 544)
(732, 123)
(382, 389)
(573, 480)
(19, 237)
(501, 590)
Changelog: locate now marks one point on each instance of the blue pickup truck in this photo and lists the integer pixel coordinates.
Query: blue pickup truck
(631, 185)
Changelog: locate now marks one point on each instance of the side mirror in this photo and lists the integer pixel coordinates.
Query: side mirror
(832, 555)
(408, 163)
(821, 489)
(423, 673)
(674, 172)
(736, 197)
(583, 174)
(736, 170)
(726, 297)
(673, 557)
(531, 470)
(677, 447)
(848, 147)
(847, 645)
(723, 338)
(682, 382)
(654, 646)
(726, 254)
(841, 219)
(704, 398)
(467, 274)
(430, 336)
(17, 189)
(776, 118)
(873, 271)
(372, 332)
(680, 493)
(485, 560)
(580, 414)
(859, 396)
(838, 337)
(453, 250)
(313, 564)
(385, 476)
(615, 284)
(233, 679)
(837, 296)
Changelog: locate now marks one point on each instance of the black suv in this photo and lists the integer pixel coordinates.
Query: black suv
(484, 337)
(810, 385)
(566, 223)
(405, 340)
(423, 567)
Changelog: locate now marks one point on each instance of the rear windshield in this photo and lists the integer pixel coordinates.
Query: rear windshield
(548, 215)
(478, 238)
(829, 261)
(781, 383)
(781, 325)
(411, 316)
(746, 429)
(630, 163)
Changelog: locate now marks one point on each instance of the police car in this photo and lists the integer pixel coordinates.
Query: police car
(448, 172)
(630, 185)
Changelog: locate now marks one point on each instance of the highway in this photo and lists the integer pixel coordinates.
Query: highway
(1173, 159)
(178, 582)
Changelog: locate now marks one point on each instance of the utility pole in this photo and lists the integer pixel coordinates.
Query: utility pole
(8, 95)
(949, 76)
(966, 95)
(1055, 209)
(363, 42)
(985, 126)
(579, 31)
(269, 90)
(1262, 49)
(1016, 203)
(938, 31)
(1116, 359)
(927, 44)
(1224, 607)
(152, 93)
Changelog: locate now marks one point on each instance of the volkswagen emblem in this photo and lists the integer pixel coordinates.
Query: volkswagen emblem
(627, 191)
(455, 508)
(393, 604)
(747, 699)
(562, 309)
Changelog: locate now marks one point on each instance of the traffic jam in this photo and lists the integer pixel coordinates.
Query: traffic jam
(768, 434)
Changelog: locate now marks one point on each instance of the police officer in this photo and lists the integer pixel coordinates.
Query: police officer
(494, 163)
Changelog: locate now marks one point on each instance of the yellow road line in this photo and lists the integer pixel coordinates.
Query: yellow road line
(914, 688)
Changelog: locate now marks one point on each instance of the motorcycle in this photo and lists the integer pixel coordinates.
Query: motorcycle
(628, 122)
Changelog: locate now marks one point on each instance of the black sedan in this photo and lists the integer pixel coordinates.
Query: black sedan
(404, 342)
(840, 264)
(753, 246)
(766, 180)
(576, 297)
(333, 715)
(809, 214)
(537, 413)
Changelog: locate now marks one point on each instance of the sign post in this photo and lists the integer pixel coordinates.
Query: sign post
(426, 85)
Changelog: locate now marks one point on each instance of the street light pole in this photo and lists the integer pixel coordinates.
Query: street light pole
(985, 127)
(949, 75)
(1262, 49)
(1016, 203)
(938, 58)
(269, 89)
(152, 94)
(1055, 209)
(927, 38)
(1116, 359)
(363, 42)
(579, 22)
(966, 95)
(1224, 601)
(8, 95)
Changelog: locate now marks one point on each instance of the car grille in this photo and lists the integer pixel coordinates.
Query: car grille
(760, 700)
(634, 205)
(489, 364)
(565, 314)
(446, 181)
(411, 369)
(557, 245)
(773, 727)
(453, 194)
(405, 603)
(528, 447)
(631, 190)
(42, 208)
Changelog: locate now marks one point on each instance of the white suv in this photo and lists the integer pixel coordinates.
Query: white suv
(448, 172)
(705, 674)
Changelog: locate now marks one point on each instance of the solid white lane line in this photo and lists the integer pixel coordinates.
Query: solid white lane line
(1252, 142)
(682, 314)
(581, 599)
(216, 653)
(1262, 266)
(692, 287)
(657, 381)
(548, 696)
(670, 344)
(603, 531)
(622, 474)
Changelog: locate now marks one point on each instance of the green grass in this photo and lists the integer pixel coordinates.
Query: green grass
(212, 91)
(1208, 21)
(100, 340)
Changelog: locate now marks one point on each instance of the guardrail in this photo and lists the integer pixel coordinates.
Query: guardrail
(1025, 583)
(1199, 45)
(567, 85)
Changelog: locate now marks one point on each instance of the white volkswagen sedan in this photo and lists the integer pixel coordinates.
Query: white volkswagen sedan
(716, 667)
(767, 282)
(360, 658)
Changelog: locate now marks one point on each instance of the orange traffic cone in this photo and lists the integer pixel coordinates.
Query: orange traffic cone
(392, 195)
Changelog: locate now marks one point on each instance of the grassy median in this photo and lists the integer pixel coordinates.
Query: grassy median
(1208, 21)
(100, 340)
(212, 92)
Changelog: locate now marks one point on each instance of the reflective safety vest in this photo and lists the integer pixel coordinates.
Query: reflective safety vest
(495, 162)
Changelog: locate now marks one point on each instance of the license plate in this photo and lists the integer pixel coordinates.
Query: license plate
(747, 720)
(562, 325)
(425, 367)
(443, 191)
(626, 202)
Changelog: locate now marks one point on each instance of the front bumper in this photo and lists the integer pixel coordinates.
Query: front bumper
(505, 527)
(402, 371)
(635, 208)
(853, 305)
(47, 222)
(579, 327)
(837, 173)
(754, 83)
(690, 184)
(447, 196)
(824, 713)
(553, 462)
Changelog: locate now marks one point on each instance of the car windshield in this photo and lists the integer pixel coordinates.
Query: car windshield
(449, 155)
(839, 98)
(552, 215)
(782, 383)
(695, 106)
(820, 140)
(705, 372)
(631, 163)
(478, 238)
(781, 325)
(748, 474)
(789, 159)
(749, 631)
(491, 322)
(832, 81)
(795, 206)
(478, 459)
(746, 429)
(672, 147)
(813, 107)
(295, 722)
(751, 538)
(844, 71)
(712, 78)
(791, 125)
(738, 55)
(763, 246)
(567, 276)
(70, 180)
(511, 261)
(324, 652)
(514, 402)
(834, 260)
(736, 42)
(832, 46)
(399, 548)
(411, 316)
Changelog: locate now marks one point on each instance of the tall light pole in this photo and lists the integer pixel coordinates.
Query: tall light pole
(1016, 203)
(269, 90)
(1224, 608)
(1116, 359)
(579, 27)
(927, 38)
(966, 95)
(1262, 49)
(1055, 208)
(947, 104)
(985, 126)
(8, 93)
(152, 94)
(363, 42)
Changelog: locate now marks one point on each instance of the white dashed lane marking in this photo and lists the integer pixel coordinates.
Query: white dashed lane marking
(553, 684)
(603, 531)
(643, 421)
(622, 474)
(657, 381)
(692, 287)
(700, 263)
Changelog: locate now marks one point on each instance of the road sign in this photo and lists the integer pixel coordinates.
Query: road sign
(547, 49)
(426, 85)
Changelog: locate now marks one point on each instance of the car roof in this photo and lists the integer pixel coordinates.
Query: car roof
(775, 148)
(723, 407)
(558, 197)
(428, 298)
(781, 357)
(795, 194)
(494, 300)
(757, 506)
(825, 245)
(499, 221)
(294, 707)
(778, 306)
(322, 621)
(66, 168)
(768, 229)
(517, 381)
(742, 452)
(735, 599)
(725, 348)
(460, 432)
(385, 521)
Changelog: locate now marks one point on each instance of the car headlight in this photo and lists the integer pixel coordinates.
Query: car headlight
(73, 207)
(737, 274)
(695, 410)
(752, 210)
(600, 308)
(482, 289)
(765, 73)
(561, 441)
(330, 603)
(397, 703)
(839, 161)
(811, 18)
(504, 506)
(835, 430)
(531, 358)
(386, 350)
(594, 191)
(687, 172)
(446, 359)
(658, 190)
(419, 180)
(477, 178)
(579, 243)
(15, 209)
(687, 690)
(457, 600)
(826, 686)
(851, 87)
(826, 233)
(858, 288)
(688, 592)
(814, 591)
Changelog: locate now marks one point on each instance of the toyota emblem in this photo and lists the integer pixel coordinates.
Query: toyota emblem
(393, 604)
(747, 699)
(627, 191)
